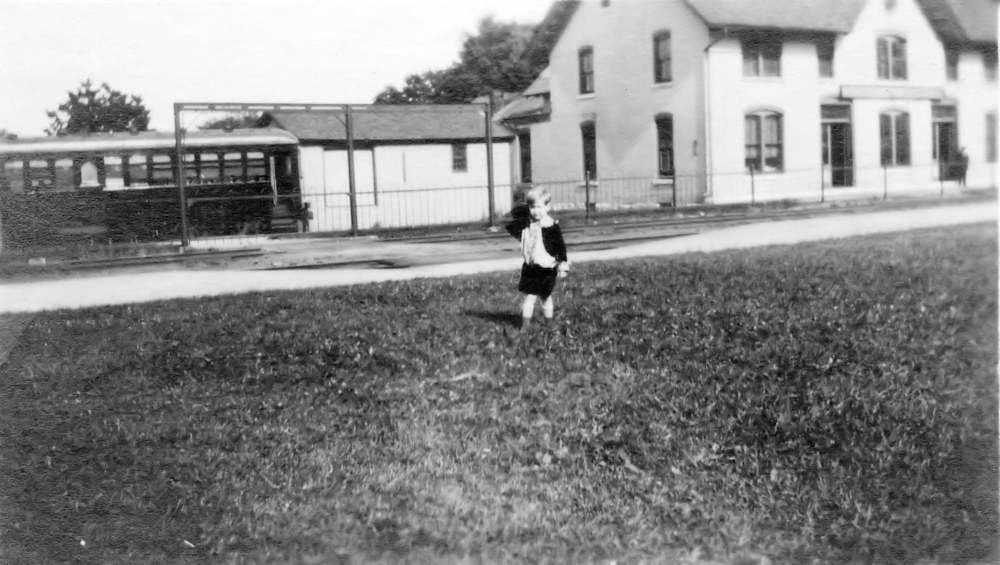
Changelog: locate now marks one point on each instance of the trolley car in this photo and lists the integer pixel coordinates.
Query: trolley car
(123, 187)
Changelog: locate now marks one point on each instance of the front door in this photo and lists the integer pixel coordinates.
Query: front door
(838, 154)
(946, 149)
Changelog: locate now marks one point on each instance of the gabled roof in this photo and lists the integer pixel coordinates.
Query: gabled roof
(962, 21)
(524, 109)
(956, 21)
(392, 123)
(548, 32)
(541, 84)
(836, 16)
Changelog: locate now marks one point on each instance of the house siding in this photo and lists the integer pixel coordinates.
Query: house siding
(626, 98)
(403, 185)
(709, 98)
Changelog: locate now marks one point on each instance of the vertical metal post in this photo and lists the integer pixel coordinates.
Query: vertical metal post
(349, 124)
(673, 195)
(182, 197)
(489, 161)
(586, 194)
(822, 181)
(885, 182)
(753, 188)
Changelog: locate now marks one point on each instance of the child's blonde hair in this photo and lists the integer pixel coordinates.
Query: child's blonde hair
(538, 194)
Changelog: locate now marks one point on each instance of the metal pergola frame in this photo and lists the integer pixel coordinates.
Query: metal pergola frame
(348, 110)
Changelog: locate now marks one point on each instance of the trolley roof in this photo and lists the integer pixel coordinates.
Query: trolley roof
(145, 140)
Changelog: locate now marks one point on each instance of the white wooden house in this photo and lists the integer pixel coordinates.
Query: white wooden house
(412, 166)
(733, 100)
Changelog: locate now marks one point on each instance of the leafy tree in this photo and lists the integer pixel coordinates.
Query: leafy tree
(90, 110)
(419, 89)
(233, 121)
(490, 61)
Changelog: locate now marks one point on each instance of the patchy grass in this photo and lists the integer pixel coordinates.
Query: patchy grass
(819, 403)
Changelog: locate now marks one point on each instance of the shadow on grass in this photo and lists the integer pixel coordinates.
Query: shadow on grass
(512, 319)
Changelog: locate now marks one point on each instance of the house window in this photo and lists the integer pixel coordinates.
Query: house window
(661, 57)
(40, 174)
(665, 145)
(991, 138)
(892, 58)
(990, 64)
(824, 51)
(951, 64)
(586, 70)
(588, 132)
(524, 148)
(761, 57)
(894, 133)
(459, 157)
(763, 140)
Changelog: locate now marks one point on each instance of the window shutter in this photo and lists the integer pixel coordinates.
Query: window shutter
(883, 58)
(885, 136)
(903, 139)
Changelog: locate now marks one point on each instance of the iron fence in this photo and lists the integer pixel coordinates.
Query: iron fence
(34, 220)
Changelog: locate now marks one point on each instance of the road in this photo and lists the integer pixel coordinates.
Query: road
(300, 264)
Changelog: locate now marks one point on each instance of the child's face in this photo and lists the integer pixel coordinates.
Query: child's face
(539, 209)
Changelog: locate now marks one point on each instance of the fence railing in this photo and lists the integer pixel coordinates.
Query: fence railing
(31, 220)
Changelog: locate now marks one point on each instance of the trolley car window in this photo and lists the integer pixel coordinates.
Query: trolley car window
(256, 167)
(114, 173)
(162, 170)
(209, 168)
(233, 168)
(137, 174)
(64, 175)
(41, 174)
(13, 173)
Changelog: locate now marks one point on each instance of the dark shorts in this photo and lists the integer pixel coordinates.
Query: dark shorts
(537, 280)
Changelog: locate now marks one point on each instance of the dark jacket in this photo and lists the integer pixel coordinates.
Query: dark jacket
(552, 237)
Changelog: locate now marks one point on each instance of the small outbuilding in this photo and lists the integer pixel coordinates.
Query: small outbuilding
(413, 166)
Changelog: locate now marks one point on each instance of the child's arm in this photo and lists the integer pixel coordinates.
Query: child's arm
(521, 218)
(558, 245)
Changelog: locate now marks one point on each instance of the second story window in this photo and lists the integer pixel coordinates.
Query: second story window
(761, 57)
(824, 52)
(586, 70)
(894, 133)
(892, 58)
(662, 71)
(951, 64)
(459, 157)
(990, 64)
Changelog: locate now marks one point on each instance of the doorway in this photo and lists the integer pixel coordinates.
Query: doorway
(838, 148)
(945, 143)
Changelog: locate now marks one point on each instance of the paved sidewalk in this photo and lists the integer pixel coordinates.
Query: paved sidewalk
(104, 289)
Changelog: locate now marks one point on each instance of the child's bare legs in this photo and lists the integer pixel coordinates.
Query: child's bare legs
(528, 309)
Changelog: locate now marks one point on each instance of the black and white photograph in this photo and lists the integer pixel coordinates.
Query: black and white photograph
(595, 282)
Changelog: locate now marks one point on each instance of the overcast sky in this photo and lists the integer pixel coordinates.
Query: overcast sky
(166, 51)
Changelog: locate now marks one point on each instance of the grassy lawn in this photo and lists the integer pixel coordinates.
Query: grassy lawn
(819, 403)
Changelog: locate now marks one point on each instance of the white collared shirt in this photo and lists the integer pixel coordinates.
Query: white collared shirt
(532, 246)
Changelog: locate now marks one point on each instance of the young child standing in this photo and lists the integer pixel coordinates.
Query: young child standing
(544, 253)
